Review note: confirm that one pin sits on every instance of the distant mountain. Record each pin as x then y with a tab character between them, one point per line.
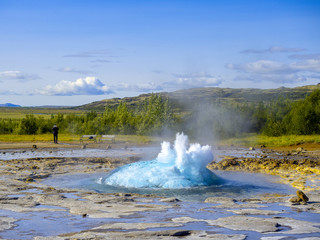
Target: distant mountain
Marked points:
9	105
182	100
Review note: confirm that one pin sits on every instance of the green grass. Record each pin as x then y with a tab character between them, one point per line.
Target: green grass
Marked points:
37	138
257	140
64	137
245	141
288	140
18	113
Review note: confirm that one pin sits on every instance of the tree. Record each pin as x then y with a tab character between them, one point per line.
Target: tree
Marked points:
304	118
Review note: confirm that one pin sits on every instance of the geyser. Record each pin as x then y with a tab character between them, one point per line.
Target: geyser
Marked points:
174	167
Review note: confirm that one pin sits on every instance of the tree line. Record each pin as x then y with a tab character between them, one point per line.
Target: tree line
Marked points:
155	116
152	117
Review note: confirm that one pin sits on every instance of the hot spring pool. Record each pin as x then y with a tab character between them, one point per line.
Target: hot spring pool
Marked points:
178	171
234	185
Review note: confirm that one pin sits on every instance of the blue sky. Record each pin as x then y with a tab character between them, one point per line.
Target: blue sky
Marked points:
73	52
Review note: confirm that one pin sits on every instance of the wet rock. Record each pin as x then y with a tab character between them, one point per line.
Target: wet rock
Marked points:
34	146
254	212
228	162
6	223
172	199
137	225
295	200
297	226
251	149
124	195
251	200
261	225
237	223
302	196
220	200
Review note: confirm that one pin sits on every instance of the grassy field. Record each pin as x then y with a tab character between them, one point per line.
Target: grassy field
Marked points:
37	138
258	140
68	138
18	113
245	141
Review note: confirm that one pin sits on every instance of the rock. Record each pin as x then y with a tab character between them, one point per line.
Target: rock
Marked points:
302	196
251	149
252	211
295	199
108	147
84	146
221	200
299	149
227	162
238	223
34	146
7	223
172	199
179	233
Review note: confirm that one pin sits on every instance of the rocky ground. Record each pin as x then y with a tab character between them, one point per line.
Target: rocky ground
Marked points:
30	209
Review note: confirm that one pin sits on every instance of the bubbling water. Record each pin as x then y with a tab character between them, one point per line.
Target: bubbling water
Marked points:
174	167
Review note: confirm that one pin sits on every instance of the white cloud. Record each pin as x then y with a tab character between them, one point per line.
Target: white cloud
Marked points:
91	53
261	67
272	67
143	87
17	75
9	92
101	61
275	78
72	70
82	86
306	68
195	79
274	49
305	56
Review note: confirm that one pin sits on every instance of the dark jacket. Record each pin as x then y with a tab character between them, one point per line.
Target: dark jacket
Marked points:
55	130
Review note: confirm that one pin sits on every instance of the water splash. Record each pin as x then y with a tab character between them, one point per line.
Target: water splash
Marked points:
174	167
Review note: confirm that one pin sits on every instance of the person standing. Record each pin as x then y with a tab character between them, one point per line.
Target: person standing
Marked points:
55	130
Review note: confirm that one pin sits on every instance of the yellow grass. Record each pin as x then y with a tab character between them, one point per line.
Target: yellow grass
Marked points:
247	140
63	137
37	138
257	140
18	113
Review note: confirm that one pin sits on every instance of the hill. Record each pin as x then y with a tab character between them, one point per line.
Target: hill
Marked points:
182	99
9	105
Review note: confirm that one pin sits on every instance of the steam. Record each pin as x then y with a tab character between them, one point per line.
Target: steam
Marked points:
174	167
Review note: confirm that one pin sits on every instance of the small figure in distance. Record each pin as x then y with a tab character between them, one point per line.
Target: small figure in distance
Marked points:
55	133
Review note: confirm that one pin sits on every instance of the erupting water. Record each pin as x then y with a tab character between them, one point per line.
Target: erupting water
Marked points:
176	167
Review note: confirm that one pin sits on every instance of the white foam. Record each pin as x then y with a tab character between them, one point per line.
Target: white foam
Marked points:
177	167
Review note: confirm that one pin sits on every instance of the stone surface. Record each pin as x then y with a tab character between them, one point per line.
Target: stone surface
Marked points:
254	212
238	223
134	216
220	200
167	234
172	199
261	225
7	223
